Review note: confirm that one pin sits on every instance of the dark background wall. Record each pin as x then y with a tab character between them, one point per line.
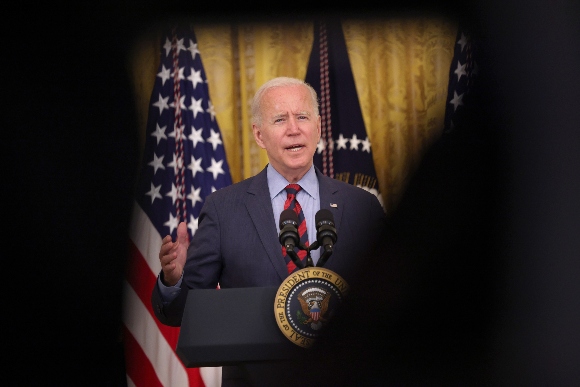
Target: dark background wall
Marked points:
477	293
68	174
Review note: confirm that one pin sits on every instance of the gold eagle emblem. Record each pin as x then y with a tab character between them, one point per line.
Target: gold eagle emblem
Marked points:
314	302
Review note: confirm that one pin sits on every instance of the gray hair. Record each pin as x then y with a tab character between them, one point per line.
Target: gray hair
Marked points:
278	82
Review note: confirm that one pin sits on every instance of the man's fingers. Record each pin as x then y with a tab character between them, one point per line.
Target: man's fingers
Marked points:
168	246
169	252
182	232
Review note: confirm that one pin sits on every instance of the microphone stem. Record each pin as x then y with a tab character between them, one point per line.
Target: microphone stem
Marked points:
295	258
324	257
309	262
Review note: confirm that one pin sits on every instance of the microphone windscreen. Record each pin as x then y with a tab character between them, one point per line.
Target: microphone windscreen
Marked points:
288	216
325	216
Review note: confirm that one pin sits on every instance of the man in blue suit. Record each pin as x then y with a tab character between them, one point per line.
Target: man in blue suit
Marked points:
237	242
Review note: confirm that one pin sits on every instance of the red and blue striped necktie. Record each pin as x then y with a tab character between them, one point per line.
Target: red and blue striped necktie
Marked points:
292	203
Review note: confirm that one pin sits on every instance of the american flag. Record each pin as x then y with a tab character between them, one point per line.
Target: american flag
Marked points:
183	161
344	151
462	75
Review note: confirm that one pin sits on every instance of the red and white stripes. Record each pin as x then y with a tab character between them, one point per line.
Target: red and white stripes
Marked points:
149	345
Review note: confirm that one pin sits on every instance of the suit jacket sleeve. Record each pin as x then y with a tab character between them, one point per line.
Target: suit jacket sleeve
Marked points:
236	245
202	268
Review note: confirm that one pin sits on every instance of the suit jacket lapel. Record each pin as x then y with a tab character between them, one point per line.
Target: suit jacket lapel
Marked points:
259	207
330	198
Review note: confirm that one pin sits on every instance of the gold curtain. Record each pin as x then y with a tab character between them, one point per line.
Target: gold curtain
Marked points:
400	66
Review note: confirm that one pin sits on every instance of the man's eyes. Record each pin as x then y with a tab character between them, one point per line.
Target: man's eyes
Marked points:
300	118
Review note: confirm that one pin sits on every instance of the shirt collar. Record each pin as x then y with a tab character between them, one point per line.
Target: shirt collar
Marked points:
277	182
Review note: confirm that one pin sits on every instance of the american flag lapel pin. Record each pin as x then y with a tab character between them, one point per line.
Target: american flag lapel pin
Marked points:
333	205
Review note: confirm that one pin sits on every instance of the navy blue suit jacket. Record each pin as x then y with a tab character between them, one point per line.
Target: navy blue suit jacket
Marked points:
237	244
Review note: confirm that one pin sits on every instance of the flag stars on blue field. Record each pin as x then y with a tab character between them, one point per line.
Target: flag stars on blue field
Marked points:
174	194
169	45
162	103
181	103
172	223
185	168
211	111
195	166
214	139
195	136
157	163
457	100
195	77
192	49
177	164
215	168
366	145
195	106
192	224
341	143
154	193
322	145
460	70
354	141
159	133
462	41
195	196
180	74
164	74
177	133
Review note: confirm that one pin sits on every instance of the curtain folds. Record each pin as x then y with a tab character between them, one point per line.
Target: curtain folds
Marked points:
401	71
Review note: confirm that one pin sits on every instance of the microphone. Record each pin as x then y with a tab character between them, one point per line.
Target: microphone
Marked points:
289	237
325	234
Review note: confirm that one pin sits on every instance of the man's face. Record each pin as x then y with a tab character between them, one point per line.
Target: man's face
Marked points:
289	131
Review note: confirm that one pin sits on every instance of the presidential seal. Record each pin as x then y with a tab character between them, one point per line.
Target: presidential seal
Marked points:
306	301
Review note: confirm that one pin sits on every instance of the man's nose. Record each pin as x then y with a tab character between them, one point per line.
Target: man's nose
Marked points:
293	125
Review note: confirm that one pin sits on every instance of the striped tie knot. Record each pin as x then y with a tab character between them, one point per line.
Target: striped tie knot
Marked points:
292	190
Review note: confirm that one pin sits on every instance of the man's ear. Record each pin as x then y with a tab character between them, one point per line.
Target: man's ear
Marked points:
258	136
